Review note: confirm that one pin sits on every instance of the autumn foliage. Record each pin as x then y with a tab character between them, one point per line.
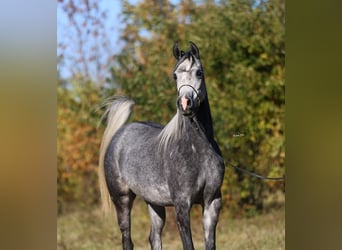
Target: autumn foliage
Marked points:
78	144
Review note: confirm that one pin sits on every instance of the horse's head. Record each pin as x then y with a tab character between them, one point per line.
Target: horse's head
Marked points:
189	76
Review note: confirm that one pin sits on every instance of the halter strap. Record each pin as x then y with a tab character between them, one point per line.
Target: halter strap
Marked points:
183	85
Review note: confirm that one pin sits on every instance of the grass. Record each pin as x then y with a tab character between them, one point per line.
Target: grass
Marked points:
89	230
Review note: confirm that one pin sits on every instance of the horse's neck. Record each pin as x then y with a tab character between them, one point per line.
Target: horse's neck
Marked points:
204	118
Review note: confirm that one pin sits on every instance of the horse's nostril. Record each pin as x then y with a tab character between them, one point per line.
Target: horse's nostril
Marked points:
186	104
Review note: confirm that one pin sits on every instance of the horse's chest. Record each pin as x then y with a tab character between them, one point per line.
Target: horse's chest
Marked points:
193	167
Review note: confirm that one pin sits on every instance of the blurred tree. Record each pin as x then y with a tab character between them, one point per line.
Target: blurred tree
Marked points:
84	46
83	52
78	143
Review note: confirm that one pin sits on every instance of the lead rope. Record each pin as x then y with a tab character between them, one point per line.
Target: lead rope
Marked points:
199	127
257	175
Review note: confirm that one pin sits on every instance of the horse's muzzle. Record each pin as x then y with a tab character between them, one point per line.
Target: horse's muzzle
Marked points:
187	105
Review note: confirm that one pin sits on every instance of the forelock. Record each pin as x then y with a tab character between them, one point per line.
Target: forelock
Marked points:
187	56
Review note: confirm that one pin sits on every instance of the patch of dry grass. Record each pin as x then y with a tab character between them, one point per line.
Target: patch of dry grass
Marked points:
88	230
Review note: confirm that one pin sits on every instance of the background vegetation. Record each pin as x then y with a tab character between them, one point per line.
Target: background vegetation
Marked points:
242	48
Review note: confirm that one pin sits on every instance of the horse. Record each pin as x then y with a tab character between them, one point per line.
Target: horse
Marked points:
179	164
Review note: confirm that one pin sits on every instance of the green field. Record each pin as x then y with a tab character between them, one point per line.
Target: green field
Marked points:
89	230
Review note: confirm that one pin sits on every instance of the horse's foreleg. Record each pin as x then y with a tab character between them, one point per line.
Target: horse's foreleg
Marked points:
123	205
210	218
183	223
157	215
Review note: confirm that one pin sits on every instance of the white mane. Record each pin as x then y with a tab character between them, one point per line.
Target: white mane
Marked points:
172	131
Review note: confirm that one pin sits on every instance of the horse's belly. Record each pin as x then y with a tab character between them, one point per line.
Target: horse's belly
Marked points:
147	183
152	193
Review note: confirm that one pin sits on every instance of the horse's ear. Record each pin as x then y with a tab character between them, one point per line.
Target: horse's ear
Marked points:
194	50
177	52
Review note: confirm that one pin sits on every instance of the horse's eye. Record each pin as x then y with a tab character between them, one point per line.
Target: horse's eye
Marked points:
174	76
199	73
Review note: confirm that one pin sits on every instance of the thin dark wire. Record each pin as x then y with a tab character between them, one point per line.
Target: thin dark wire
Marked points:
257	175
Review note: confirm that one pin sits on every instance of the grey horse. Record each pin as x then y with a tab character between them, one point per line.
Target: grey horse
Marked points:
177	165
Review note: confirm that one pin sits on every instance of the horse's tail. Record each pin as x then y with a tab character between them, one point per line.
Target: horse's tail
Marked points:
117	112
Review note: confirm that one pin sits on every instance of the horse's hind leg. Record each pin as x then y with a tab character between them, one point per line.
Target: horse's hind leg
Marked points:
123	205
157	215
